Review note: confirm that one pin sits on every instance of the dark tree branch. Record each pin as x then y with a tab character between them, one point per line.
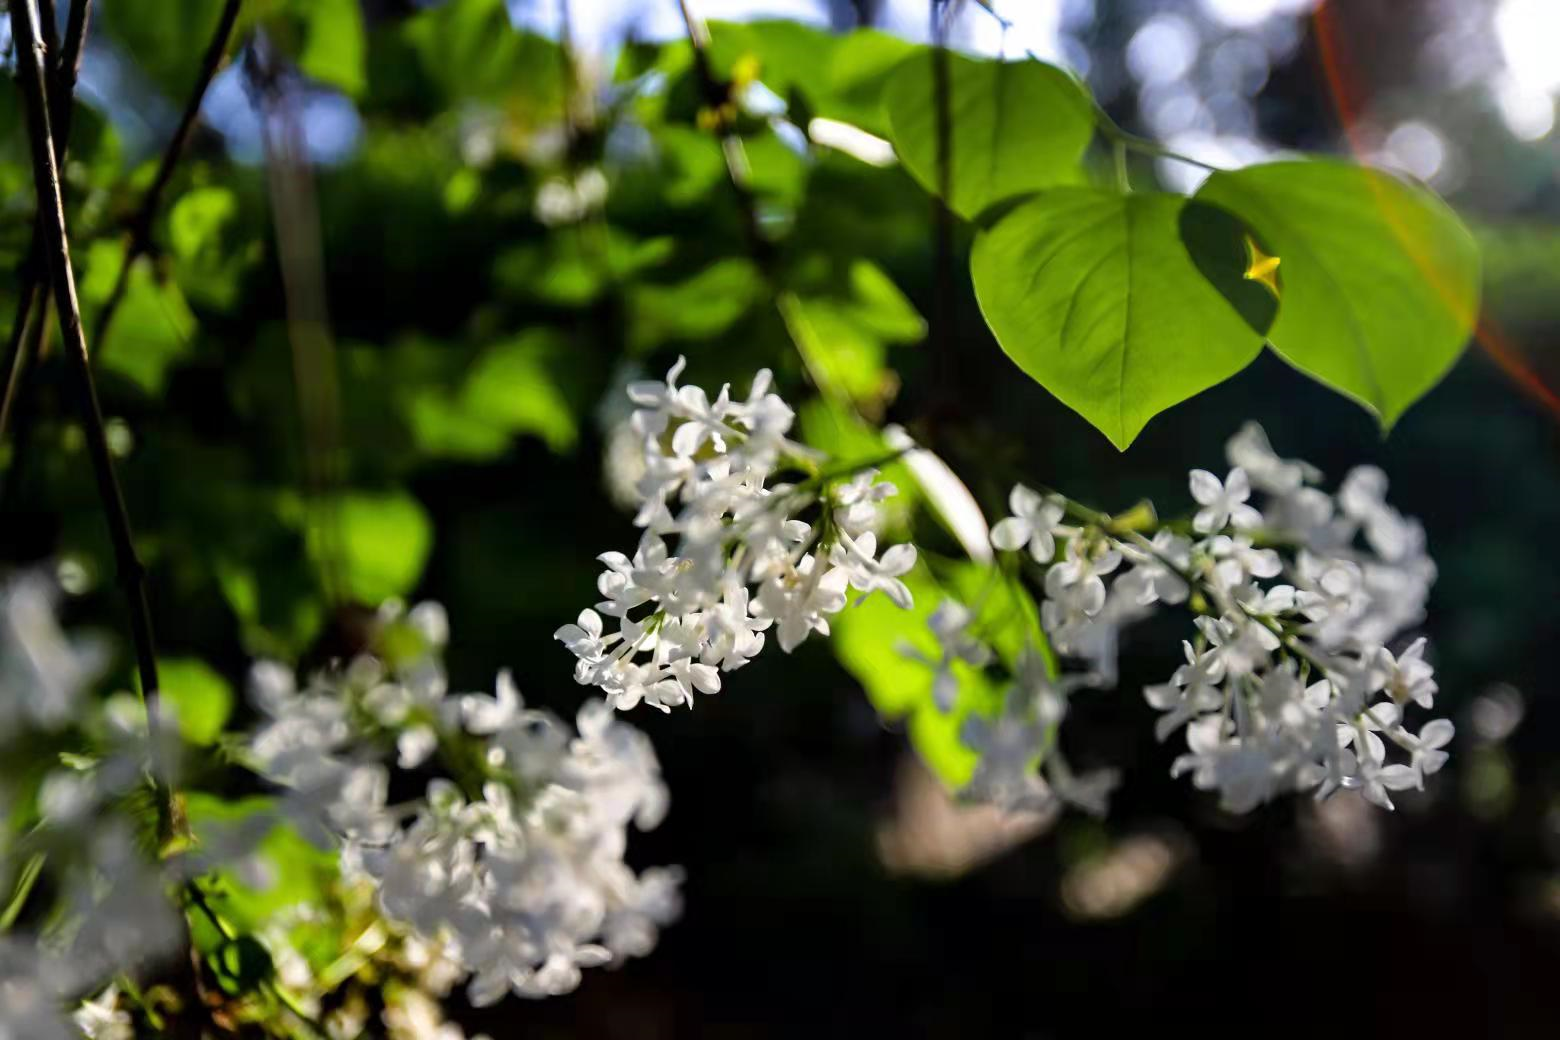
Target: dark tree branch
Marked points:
140	236
66	69
720	107
62	281
717	102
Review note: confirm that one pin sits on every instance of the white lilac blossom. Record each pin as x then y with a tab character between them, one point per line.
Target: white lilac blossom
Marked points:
43	671
726	560
512	862
1020	745
1034	524
950	624
109	912
1289	682
101	1018
31	993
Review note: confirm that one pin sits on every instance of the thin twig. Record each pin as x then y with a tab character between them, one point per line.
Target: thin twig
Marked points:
716	103
21	348
739	174
139	238
943	316
62	281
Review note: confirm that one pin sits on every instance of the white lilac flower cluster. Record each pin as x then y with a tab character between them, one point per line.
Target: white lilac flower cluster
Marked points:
1288	684
109	912
512	863
725	557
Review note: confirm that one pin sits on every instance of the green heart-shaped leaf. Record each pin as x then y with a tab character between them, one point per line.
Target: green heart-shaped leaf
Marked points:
1014	127
1379	279
1108	300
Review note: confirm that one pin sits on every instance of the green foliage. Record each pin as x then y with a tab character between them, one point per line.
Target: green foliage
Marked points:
1379	280
820	73
201	699
333	47
165	37
844	323
153	327
1094	295
514	388
241	965
286	872
211	244
1013	128
700	307
474	342
877	642
375	545
469	51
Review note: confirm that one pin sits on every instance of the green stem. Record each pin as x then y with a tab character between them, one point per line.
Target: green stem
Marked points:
26	881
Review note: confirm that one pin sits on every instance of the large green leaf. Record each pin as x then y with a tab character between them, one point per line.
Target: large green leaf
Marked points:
1015	127
1096	295
1379	280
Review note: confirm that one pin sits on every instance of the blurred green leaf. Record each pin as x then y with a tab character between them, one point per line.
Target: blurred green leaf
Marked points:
1379	280
153	326
573	270
514	387
471	51
333	44
700	307
376	544
165	39
1094	295
844	326
201	699
211	246
871	642
1016	127
284	872
839	76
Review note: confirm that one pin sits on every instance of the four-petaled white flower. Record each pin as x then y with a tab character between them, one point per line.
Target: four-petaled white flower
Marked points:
1033	524
950	624
1223	502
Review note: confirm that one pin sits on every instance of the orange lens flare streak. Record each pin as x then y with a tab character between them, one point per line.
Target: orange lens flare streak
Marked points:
1341	87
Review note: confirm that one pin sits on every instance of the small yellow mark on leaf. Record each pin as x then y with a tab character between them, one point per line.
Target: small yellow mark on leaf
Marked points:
1260	267
746	70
